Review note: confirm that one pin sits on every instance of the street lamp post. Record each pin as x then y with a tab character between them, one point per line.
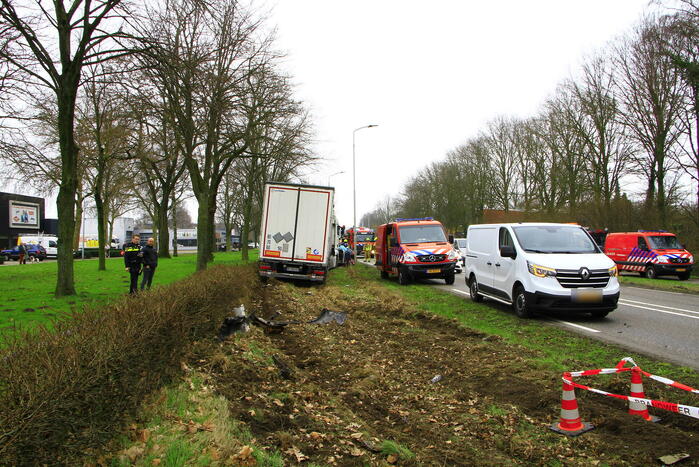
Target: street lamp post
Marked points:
354	186
332	175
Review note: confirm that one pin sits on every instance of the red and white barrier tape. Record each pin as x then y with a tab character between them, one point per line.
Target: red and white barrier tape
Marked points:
672	407
620	368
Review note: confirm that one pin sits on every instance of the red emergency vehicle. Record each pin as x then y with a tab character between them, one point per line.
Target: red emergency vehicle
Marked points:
651	253
411	248
365	239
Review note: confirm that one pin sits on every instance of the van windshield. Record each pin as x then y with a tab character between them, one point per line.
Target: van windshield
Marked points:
555	239
422	233
664	242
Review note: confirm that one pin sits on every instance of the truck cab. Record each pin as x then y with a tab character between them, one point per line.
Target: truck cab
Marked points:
364	238
414	248
650	253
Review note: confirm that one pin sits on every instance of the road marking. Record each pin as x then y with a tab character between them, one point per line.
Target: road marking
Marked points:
656	290
575	325
659	311
659	306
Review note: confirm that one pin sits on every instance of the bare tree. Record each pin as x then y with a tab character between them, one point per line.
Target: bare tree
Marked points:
500	143
51	47
651	92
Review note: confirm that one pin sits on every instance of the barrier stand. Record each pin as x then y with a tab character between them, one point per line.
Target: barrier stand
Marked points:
570	424
636	407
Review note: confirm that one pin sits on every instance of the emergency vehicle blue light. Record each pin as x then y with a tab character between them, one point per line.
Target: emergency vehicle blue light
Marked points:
661	231
415	219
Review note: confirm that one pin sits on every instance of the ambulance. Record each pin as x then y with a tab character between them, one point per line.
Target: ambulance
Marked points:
413	248
650	253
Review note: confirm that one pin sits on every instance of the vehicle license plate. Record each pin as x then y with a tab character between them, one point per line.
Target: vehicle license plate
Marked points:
587	295
680	269
292	269
431	271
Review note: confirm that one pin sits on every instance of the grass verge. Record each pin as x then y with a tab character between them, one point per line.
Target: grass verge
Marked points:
555	349
669	284
27	290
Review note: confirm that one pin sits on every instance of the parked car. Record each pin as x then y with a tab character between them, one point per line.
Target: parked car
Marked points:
540	266
650	253
460	246
33	251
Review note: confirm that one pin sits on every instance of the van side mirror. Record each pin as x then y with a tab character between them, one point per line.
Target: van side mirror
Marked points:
394	242
508	251
451	239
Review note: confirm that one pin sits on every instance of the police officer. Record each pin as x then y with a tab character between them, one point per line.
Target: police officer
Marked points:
150	262
132	260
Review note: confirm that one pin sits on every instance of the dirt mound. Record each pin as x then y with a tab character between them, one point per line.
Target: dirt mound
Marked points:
364	393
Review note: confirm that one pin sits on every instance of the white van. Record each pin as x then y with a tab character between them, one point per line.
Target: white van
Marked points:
49	242
540	266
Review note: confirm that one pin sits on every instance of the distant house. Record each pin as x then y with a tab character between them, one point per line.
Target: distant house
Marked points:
498	216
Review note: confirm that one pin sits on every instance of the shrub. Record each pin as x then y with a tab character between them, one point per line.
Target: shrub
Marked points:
65	390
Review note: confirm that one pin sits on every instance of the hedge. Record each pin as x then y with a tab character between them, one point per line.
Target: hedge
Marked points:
65	390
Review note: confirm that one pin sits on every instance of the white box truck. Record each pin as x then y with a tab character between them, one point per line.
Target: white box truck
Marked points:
298	232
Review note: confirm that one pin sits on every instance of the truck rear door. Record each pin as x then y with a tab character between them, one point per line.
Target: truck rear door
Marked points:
296	222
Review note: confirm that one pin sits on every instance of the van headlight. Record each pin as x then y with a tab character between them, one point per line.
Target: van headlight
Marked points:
409	256
613	271
540	271
452	255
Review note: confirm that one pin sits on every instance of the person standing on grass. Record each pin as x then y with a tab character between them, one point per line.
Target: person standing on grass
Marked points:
150	262
132	260
22	253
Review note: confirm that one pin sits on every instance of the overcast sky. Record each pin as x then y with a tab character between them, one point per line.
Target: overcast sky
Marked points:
430	74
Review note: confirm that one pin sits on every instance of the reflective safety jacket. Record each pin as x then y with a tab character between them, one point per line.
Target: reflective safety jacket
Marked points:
132	255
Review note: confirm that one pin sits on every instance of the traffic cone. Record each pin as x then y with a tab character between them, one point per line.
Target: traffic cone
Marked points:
639	408
570	424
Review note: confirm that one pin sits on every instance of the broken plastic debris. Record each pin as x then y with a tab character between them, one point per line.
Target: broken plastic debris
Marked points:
234	324
671	459
328	316
436	379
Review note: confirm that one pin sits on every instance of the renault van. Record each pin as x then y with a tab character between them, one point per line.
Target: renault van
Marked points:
543	266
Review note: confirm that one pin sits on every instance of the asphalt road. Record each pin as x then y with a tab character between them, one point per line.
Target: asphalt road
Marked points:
663	325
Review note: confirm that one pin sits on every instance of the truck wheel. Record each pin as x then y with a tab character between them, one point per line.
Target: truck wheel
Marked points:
449	279
683	276
473	290
403	277
384	275
522	308
651	273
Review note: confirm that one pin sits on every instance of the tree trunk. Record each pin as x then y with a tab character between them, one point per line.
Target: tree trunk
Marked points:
245	229
205	229
163	232
174	226
75	242
101	228
229	229
65	282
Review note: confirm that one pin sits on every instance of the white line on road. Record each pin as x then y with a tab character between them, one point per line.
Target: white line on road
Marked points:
575	325
659	306
461	291
659	311
655	290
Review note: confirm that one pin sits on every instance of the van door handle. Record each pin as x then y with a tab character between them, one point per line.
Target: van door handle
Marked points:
489	263
497	264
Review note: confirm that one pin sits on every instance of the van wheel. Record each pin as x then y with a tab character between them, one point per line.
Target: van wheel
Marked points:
449	279
651	273
384	275
403	277
522	308
683	276
473	290
599	314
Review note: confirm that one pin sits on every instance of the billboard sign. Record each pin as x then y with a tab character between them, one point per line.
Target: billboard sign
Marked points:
24	215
